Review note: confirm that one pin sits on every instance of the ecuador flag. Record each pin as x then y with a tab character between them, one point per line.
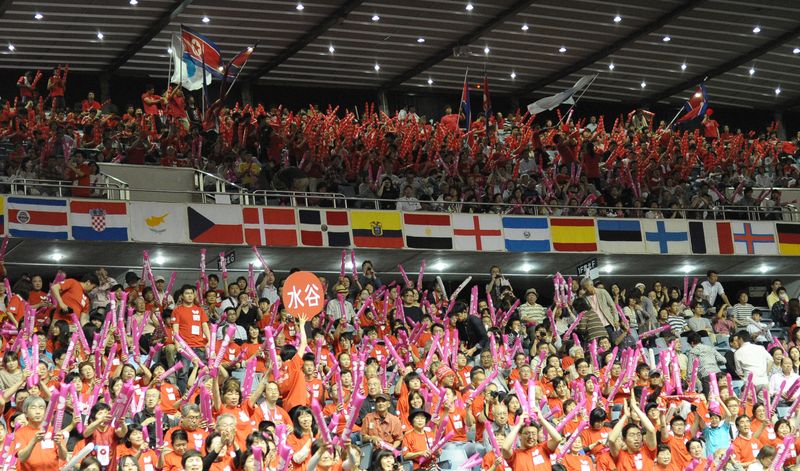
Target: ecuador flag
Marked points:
788	238
377	229
573	235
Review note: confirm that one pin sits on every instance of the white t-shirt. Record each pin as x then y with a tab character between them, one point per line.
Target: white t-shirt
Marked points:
712	291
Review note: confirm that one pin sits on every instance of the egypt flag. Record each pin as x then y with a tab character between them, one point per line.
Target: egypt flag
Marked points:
214	224
573	235
324	228
202	51
620	236
711	237
98	220
428	231
377	229
271	227
38	218
788	238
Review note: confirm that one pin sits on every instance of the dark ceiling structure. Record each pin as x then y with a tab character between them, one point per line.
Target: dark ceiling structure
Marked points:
652	51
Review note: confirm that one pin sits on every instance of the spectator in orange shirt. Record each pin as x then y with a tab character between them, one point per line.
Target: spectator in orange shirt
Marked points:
36	447
530	455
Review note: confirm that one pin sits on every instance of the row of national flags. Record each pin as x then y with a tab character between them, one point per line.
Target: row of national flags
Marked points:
78	219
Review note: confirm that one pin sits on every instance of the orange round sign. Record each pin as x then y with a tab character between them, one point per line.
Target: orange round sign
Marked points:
303	294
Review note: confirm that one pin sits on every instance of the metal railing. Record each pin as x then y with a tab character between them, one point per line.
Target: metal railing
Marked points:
215	189
110	188
788	212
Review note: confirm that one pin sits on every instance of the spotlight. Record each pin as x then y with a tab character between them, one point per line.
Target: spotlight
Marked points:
206	19
666	39
100	36
430	81
38	16
562	49
469	6
757	29
524	27
377	68
376	18
683	66
611	66
643	84
331	49
420	40
300	7
513	75
617	19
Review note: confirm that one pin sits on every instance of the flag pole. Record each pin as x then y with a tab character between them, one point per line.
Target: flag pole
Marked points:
578	99
676	117
462	91
238	73
169	70
181	62
203	52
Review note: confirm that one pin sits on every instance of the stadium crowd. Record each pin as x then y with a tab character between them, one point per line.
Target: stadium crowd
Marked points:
636	167
395	374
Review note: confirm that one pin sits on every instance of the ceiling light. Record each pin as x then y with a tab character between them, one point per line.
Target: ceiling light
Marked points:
169	50
752	70
486	50
683	66
206	19
796	50
38	16
525	27
687	268
300	7
256	263
644	84
617	19
377	68
11	47
611	66
763	268
439	266
562	49
666	39
430	81
757	29
469	6
100	36
420	40
778	91
513	75
159	259
331	49
134	2
56	257
527	267
698	95
375	17
607	268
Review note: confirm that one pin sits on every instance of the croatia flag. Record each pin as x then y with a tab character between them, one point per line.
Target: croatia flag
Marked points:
696	106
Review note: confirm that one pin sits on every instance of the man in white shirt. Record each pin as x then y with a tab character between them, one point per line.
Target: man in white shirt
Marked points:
233	297
759	331
266	286
408	202
786	378
713	288
751	358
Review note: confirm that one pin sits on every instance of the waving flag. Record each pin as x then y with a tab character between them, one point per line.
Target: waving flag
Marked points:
186	73
696	106
552	102
464	106
238	62
202	51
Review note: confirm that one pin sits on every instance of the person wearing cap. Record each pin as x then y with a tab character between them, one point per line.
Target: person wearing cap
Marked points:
531	312
380	425
370	403
334	308
167	301
133	287
418	441
717	432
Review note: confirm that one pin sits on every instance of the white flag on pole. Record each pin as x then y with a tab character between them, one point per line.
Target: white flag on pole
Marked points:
551	102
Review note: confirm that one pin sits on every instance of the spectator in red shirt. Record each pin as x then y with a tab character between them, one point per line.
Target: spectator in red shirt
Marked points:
151	102
450	120
90	103
25	87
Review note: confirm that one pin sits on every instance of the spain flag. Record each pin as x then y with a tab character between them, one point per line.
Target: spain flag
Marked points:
377	229
573	234
788	238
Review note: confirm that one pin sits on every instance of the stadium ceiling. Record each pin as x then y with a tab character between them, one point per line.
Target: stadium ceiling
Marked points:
644	51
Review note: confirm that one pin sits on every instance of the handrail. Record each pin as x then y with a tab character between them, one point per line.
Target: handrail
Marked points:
220	188
106	190
787	212
122	188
